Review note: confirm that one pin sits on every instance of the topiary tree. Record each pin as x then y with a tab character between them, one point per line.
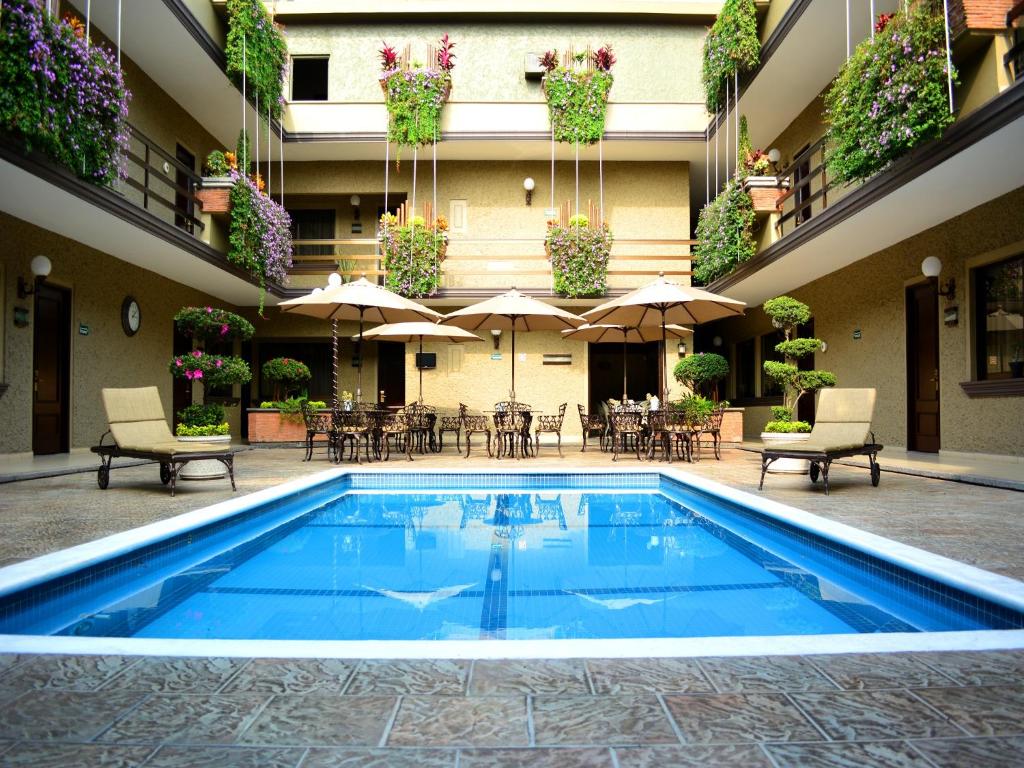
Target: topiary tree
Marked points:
786	314
286	373
702	372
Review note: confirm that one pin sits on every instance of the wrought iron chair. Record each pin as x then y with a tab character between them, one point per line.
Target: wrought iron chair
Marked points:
472	424
551	424
350	426
627	422
591	423
450	424
659	435
316	424
512	428
395	426
713	427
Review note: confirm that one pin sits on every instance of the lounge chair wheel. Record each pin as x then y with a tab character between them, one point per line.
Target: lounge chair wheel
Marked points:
103	477
815	471
876	474
165	473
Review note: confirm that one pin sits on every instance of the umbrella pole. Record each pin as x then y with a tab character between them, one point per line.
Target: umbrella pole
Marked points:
420	369
625	390
334	361
664	367
359	384
513	392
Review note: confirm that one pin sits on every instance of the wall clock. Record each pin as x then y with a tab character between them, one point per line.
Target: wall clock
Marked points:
131	316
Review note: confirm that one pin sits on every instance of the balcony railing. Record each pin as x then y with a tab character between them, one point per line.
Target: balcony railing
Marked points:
160	183
491	262
808	191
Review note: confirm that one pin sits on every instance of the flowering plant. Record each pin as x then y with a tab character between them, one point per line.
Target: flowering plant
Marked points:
750	161
62	95
579	257
210	370
260	239
219	163
724	234
413	254
256	49
578	97
732	46
210	323
285	370
889	97
414	95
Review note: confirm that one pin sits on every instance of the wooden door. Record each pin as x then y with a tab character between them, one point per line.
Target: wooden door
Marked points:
390	373
51	354
184	193
923	368
181	389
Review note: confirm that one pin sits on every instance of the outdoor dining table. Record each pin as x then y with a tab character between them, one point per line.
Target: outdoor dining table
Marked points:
522	419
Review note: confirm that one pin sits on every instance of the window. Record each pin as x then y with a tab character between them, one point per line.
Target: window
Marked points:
999	318
746	366
312	224
769	387
309	79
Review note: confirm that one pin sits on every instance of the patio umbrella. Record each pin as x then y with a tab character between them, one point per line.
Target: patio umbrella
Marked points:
661	302
359	300
513	311
406	332
613	333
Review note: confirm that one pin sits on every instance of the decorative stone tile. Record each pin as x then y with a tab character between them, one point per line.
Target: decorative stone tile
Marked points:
980	668
8	660
322	720
424	678
958	753
66	673
982	711
878	670
769	674
35	755
608	720
729	718
862	715
188	719
63	715
351	757
594	757
174	675
482	721
617	676
878	754
226	757
292	676
513	676
695	756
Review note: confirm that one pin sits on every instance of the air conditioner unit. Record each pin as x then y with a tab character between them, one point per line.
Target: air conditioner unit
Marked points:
532	67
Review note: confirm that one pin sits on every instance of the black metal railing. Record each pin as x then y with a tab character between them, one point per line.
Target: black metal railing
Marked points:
808	187
160	183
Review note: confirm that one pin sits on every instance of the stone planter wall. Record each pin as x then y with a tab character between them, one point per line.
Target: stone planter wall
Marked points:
266	425
732	426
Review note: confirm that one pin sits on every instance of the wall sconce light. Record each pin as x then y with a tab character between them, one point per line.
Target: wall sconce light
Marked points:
773	157
931	268
528	185
40	267
717	341
496	335
333	280
681	349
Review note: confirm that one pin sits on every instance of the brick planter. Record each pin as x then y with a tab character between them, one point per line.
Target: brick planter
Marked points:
732	426
268	425
765	192
214	195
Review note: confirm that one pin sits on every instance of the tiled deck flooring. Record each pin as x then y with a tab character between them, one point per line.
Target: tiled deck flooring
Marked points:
939	709
934	709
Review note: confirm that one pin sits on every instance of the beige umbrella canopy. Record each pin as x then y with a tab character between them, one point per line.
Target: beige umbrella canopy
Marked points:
407	332
513	311
359	300
662	302
612	333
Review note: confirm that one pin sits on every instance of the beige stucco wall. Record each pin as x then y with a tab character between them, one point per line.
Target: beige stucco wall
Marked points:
106	357
870	295
490	58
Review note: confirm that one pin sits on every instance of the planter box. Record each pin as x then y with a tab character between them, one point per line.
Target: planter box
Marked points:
214	195
787	466
205	469
268	425
732	426
765	191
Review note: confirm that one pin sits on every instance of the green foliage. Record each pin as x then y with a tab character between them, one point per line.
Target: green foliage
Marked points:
412	255
286	369
784	311
201	415
577	103
210	370
809	381
724	234
260	238
206	323
781	413
216	164
701	370
264	57
731	46
695	408
787	427
579	257
291	408
798	347
890	96
414	99
243	152
211	430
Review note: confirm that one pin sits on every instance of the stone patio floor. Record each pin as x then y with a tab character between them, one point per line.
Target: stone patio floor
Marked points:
929	709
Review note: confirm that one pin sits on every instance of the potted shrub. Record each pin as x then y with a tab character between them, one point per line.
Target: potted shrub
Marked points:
286	374
702	372
757	172
214	192
786	314
206	325
579	257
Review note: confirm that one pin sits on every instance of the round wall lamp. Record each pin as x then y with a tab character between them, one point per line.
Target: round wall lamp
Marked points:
528	185
496	335
931	268
41	267
717	341
333	280
354	200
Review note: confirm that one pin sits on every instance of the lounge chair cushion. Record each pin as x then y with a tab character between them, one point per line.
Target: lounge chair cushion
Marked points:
842	423
137	423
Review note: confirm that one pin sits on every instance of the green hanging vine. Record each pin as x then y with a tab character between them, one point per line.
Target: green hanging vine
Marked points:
724	234
732	46
265	54
415	95
577	94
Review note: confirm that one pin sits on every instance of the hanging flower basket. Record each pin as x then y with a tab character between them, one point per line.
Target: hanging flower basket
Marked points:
577	94
724	234
415	95
413	254
260	239
579	257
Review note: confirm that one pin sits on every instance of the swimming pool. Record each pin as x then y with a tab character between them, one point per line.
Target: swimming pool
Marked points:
357	556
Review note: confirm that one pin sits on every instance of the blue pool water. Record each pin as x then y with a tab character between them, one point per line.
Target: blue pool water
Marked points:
504	557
